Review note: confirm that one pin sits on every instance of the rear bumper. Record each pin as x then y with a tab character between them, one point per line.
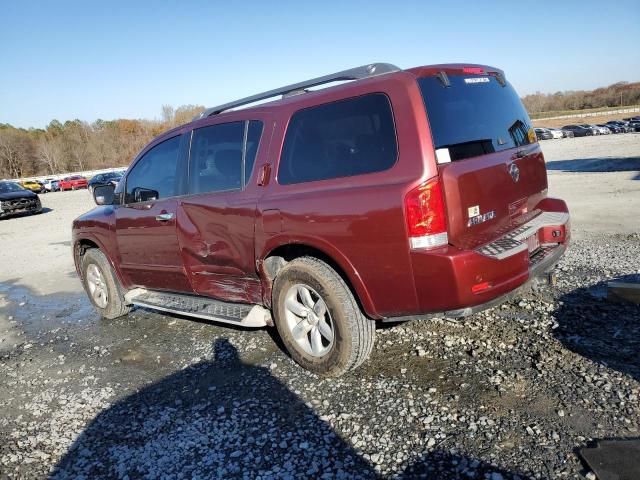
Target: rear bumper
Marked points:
540	270
456	283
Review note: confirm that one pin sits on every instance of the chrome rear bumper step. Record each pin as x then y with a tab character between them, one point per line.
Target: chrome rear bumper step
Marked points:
246	315
516	240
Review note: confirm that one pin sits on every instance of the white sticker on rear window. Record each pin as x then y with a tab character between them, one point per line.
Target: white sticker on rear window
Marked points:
477	80
442	155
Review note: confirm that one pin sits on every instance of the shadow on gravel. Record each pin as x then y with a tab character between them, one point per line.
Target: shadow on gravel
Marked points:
597	164
227	419
599	329
214	419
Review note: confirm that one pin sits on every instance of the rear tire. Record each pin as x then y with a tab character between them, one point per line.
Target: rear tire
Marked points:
323	300
102	286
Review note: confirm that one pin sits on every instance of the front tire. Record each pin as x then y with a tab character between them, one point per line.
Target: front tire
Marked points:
102	286
319	319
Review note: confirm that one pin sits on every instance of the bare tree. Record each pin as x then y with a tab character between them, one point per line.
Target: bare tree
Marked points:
49	154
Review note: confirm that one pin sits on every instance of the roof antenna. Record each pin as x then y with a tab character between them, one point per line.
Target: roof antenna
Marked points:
444	79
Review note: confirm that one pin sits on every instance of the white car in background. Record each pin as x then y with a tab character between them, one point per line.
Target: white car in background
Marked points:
49	184
556	132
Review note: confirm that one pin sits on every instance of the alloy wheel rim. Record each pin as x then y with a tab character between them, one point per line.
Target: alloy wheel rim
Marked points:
97	286
309	320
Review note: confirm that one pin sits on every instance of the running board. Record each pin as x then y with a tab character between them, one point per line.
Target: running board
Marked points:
245	315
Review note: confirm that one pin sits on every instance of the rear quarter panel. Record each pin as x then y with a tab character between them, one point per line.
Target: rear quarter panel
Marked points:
357	221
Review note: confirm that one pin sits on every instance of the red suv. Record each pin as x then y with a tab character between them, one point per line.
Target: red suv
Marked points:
395	195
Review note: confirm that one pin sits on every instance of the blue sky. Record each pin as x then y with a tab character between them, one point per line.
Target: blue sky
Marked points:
116	59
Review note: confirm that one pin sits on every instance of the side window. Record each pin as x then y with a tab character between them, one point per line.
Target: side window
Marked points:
254	132
154	175
339	139
217	153
216	158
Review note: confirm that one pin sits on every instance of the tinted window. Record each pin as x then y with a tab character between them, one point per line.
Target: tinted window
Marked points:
254	133
216	158
340	139
475	115
217	153
154	172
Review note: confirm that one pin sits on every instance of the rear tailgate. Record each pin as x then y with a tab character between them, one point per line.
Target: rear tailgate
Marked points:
491	167
483	198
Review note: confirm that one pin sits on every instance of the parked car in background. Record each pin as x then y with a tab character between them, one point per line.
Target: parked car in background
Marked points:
543	134
105	179
46	184
72	183
594	129
556	132
567	133
16	199
369	202
32	185
634	126
611	128
621	124
579	130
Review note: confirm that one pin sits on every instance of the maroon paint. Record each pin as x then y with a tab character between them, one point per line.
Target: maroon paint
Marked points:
221	239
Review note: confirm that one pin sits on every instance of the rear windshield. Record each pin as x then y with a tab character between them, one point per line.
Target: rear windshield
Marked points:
475	115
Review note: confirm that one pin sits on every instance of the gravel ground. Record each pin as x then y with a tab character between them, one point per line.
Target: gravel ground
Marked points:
509	393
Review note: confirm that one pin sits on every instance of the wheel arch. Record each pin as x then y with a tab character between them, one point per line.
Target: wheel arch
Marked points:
278	256
80	247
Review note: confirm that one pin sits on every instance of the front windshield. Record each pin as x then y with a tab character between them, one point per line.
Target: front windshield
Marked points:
6	187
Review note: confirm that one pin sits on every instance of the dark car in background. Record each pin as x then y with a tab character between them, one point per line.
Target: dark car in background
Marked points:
543	134
579	130
108	178
15	199
621	124
611	128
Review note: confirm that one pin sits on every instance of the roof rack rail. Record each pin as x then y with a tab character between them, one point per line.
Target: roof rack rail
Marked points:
358	73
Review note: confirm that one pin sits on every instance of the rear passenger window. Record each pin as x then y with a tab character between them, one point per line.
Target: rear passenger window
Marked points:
216	158
340	139
217	154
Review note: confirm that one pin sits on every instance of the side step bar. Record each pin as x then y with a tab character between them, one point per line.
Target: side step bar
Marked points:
242	314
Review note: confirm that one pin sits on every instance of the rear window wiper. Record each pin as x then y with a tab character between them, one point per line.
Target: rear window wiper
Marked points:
444	79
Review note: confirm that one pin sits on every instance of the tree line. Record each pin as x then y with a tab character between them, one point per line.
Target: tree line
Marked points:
76	145
616	95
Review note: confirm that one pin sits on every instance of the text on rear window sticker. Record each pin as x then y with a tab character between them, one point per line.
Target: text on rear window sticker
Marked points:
477	80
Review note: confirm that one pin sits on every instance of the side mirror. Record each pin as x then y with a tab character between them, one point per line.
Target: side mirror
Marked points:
104	194
144	194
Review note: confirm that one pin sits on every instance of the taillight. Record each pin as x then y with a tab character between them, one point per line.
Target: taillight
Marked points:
426	218
473	70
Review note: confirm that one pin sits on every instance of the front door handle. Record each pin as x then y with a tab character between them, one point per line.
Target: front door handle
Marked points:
164	217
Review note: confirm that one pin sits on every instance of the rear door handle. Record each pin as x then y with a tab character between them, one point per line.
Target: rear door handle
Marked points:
164	217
